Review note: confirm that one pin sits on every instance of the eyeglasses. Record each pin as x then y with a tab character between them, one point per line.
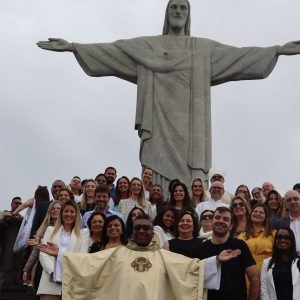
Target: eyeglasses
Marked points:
238	204
144	227
283	237
206	217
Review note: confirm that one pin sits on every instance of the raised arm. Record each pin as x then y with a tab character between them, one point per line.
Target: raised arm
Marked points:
290	48
55	44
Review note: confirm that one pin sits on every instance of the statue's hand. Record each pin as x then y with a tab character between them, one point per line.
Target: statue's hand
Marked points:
54	44
291	48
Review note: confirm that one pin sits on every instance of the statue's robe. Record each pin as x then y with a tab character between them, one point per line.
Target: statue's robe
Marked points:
174	76
121	273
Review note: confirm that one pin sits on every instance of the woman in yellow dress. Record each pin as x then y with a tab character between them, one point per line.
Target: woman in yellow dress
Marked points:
259	235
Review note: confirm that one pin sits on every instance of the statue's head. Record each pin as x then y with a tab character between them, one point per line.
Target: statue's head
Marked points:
178	16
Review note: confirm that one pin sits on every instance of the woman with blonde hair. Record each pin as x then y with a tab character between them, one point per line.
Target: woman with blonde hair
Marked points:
87	202
32	270
66	235
240	211
198	191
136	199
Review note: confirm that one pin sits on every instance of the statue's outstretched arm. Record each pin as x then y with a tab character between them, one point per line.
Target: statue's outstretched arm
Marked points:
291	48
54	44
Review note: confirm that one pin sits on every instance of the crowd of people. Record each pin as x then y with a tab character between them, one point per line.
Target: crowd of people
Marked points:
88	216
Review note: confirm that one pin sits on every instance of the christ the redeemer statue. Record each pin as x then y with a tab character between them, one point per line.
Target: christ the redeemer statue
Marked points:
174	73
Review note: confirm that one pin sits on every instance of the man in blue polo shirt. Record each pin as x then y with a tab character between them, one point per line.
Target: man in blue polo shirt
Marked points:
101	201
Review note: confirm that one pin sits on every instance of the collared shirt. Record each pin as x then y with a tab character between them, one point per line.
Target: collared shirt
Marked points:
64	244
108	213
295	226
209	204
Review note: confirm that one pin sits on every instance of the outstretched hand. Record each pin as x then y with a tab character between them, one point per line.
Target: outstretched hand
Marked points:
55	44
227	255
49	248
291	48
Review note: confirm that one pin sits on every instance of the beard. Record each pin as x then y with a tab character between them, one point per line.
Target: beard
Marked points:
110	180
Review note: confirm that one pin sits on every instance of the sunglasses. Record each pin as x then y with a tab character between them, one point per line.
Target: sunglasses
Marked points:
239	204
283	237
144	227
217	177
206	217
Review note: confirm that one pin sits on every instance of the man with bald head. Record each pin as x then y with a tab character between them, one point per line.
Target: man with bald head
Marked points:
216	191
292	204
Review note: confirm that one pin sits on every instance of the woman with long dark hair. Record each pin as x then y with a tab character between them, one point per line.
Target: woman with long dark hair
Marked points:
280	276
276	206
180	198
122	191
164	225
136	211
259	235
113	232
95	224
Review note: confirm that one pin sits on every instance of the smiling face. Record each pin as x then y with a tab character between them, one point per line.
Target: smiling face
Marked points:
101	200
221	223
156	193
217	190
63	196
168	219
273	202
142	232
147	175
114	229
186	225
123	185
179	193
292	202
197	188
283	240
206	219
136	187
238	207
69	215
54	212
90	188
258	216
97	224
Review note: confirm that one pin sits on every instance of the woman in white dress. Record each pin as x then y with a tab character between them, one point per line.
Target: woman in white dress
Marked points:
137	199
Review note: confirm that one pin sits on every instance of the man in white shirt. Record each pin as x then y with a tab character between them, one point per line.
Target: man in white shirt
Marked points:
216	192
218	175
292	203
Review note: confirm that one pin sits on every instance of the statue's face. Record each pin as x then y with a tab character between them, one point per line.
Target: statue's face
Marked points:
178	13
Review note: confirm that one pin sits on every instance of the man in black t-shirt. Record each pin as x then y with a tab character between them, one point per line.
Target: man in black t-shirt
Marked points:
233	283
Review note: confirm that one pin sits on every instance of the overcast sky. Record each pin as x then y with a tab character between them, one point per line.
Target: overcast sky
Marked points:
56	122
